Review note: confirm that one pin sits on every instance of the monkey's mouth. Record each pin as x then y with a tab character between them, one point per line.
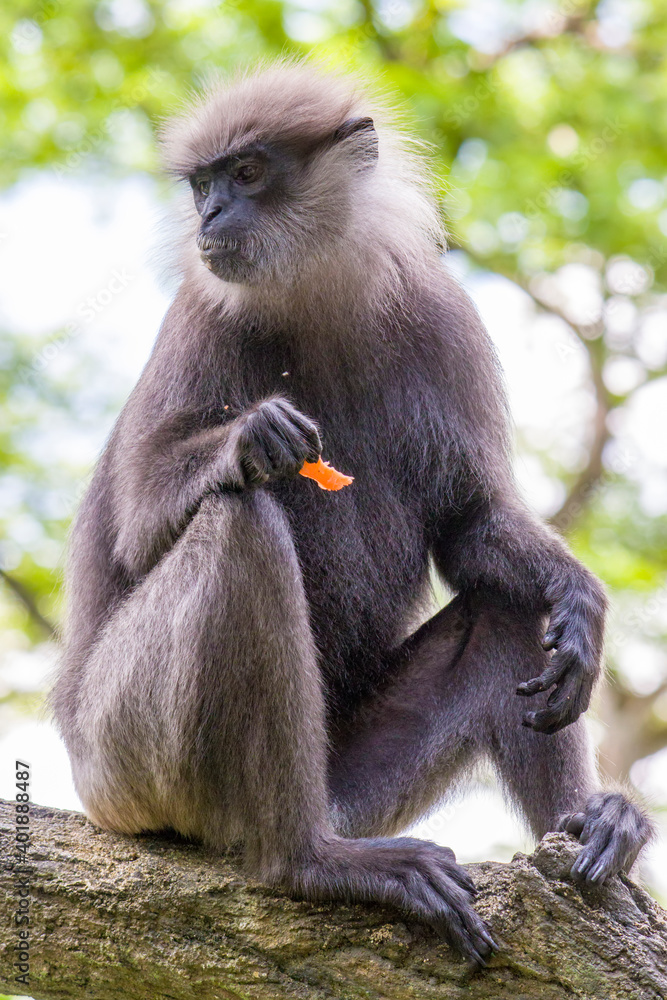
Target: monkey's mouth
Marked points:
210	246
228	257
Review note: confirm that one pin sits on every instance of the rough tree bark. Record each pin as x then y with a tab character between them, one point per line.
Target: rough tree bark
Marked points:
144	918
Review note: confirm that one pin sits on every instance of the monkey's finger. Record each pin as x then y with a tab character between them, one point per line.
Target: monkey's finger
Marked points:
547	679
486	937
279	452
459	923
440	881
551	638
550	720
572	696
305	426
477	929
296	453
480	935
447	911
567	688
446	862
314	444
600	873
587	860
542	722
620	853
583	863
610	861
253	474
311	436
471	928
295	440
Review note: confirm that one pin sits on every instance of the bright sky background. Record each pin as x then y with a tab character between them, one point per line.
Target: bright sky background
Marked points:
99	240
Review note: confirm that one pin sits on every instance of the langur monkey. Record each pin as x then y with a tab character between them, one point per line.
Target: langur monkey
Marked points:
242	662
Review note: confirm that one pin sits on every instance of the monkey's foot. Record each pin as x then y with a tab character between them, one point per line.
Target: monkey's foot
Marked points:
614	831
438	891
418	877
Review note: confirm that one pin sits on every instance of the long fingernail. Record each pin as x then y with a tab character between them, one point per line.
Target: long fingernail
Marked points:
580	865
595	874
489	940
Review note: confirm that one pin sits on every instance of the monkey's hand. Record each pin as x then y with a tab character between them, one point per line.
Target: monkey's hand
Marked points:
574	639
272	441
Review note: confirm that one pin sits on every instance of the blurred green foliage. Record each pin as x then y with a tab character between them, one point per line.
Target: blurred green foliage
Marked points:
562	125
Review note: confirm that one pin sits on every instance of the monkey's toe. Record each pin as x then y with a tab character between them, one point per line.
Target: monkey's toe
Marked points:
460	925
466	932
470	936
572	823
613	831
461	877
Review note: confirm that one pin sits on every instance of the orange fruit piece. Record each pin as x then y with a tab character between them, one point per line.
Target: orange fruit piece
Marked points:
326	477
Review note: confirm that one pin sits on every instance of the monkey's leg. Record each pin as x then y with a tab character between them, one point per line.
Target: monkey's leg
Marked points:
200	705
202	710
553	778
451	700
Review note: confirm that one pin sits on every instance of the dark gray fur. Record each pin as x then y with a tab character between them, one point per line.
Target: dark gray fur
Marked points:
240	659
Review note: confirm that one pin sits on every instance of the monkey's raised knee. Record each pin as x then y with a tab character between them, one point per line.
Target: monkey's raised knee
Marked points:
249	533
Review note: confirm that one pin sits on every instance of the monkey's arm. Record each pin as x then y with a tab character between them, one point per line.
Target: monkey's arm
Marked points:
485	538
161	476
498	546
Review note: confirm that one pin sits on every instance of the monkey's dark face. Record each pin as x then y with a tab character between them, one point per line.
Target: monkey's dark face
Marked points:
266	208
237	197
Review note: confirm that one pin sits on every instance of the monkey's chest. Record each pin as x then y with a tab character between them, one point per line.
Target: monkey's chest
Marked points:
363	549
364	560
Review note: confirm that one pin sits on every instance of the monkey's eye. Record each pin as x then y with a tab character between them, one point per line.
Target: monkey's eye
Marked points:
204	186
246	173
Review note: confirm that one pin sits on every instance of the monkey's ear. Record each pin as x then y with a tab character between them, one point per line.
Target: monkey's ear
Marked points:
361	135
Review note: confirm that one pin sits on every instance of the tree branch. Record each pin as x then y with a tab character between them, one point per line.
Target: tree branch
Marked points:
588	480
633	729
149	917
28	602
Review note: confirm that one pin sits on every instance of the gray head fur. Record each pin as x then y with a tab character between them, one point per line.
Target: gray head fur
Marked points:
350	230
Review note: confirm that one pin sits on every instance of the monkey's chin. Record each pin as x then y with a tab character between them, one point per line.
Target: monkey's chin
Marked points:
231	265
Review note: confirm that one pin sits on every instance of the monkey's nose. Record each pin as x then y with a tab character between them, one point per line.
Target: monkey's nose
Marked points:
210	216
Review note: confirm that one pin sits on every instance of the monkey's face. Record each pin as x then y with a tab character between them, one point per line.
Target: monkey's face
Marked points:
239	199
267	208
